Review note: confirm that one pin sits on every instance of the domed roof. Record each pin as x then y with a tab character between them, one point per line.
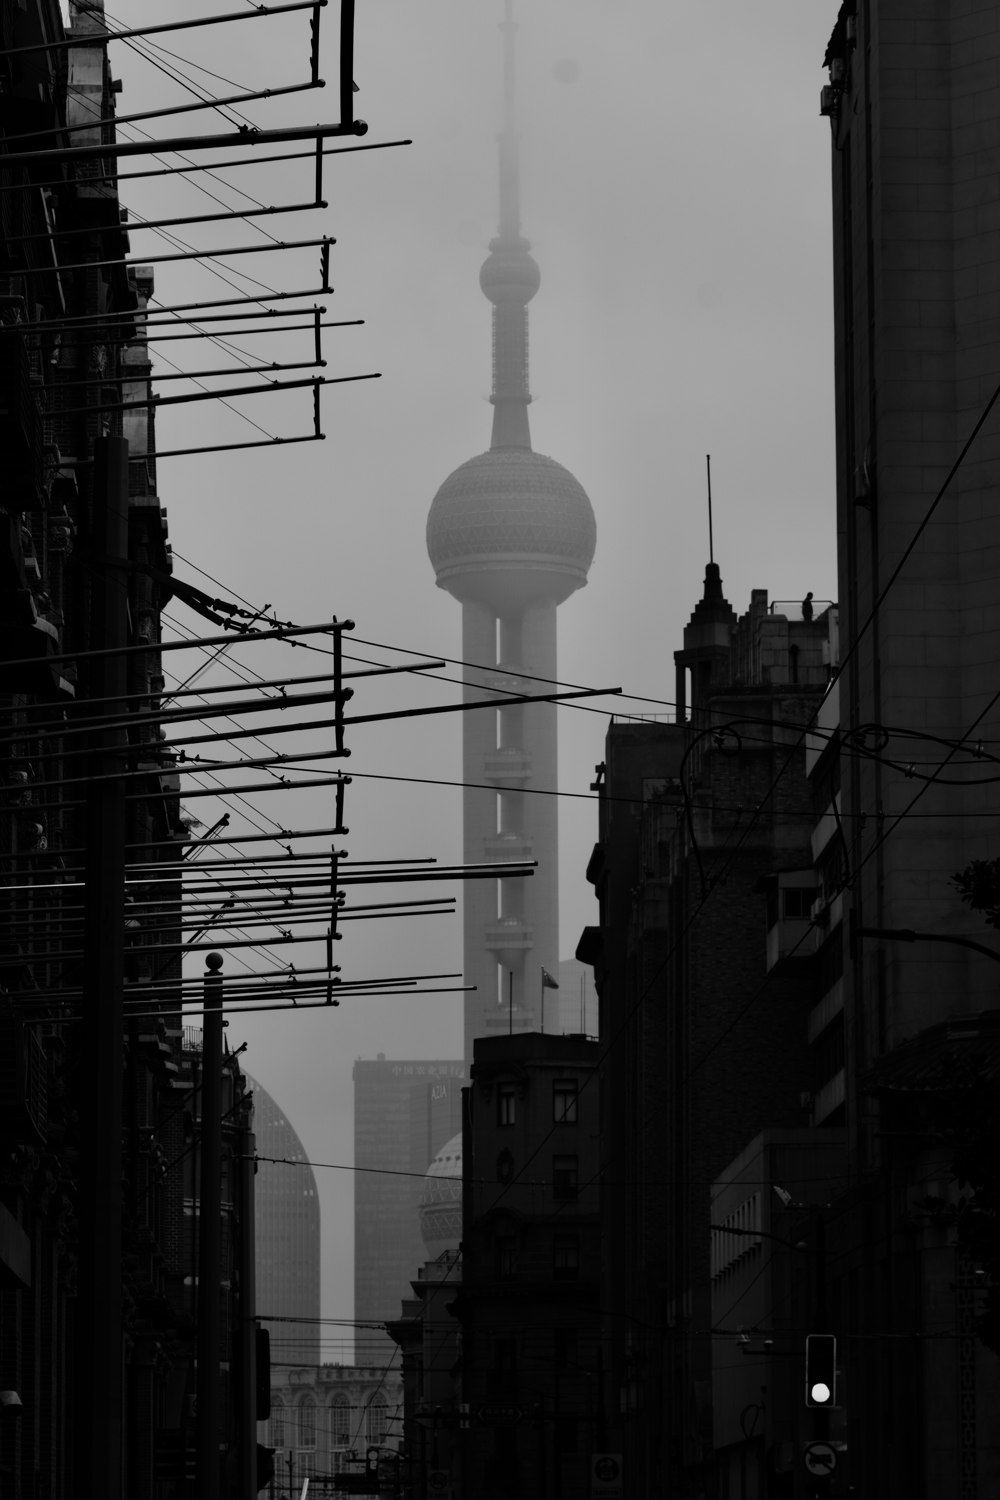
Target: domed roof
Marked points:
510	511
441	1200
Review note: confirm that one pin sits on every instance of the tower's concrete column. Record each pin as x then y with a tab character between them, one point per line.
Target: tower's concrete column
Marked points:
541	811
479	819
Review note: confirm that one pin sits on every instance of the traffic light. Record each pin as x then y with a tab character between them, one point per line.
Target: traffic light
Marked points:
262	1367
821	1370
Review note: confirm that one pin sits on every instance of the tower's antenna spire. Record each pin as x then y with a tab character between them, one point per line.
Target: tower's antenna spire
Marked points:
510	205
708	472
509	276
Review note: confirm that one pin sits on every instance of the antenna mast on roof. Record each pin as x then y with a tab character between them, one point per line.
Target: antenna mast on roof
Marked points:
708	472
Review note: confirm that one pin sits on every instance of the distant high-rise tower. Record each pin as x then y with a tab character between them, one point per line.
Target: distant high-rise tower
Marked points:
404	1112
511	535
286	1237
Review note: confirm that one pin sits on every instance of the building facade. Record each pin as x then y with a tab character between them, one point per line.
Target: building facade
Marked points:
100	1136
429	1338
531	1254
329	1420
910	99
704	1033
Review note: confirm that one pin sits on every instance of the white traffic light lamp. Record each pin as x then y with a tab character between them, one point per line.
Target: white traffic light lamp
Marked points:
821	1370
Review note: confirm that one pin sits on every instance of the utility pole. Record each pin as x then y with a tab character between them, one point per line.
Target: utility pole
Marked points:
209	1235
247	1310
99	1450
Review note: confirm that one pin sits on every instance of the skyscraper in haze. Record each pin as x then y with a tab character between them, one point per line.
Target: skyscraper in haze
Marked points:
511	535
404	1112
286	1237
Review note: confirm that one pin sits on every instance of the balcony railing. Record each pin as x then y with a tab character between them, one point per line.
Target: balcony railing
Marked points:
507	765
509	935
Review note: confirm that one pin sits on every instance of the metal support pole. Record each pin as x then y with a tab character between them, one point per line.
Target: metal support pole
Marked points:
209	1237
247	1311
99	1455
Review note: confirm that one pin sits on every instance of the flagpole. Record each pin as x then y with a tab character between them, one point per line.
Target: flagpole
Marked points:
510	1002
543	1001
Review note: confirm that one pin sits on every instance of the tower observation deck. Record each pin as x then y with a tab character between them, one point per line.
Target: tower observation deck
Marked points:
511	535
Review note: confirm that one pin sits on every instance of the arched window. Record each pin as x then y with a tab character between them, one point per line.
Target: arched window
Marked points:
376	1420
277	1436
307	1422
340	1421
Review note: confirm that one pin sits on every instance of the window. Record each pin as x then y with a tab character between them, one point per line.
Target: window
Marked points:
340	1422
307	1422
277	1421
506	1246
798	901
506	1104
377	1423
565	1257
564	1097
565	1177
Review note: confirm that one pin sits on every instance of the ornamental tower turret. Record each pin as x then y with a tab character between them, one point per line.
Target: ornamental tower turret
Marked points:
511	535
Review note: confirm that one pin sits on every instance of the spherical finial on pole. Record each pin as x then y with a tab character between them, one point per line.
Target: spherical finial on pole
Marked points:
214	962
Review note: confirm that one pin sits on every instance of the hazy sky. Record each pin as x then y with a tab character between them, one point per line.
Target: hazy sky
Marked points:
675	189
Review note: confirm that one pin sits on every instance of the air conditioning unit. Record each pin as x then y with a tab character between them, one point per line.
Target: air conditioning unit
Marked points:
828	97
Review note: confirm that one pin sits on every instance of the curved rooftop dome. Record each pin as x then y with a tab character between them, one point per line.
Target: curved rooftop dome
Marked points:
511	526
441	1200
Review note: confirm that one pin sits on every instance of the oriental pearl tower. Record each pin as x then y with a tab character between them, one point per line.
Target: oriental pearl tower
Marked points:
511	535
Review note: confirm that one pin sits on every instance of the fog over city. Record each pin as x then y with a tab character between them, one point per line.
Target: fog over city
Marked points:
675	191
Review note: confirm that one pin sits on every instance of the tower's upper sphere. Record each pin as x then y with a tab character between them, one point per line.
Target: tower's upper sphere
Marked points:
511	528
509	273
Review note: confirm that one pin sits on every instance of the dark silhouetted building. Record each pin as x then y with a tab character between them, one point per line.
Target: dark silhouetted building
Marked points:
910	96
99	1129
531	1257
705	1036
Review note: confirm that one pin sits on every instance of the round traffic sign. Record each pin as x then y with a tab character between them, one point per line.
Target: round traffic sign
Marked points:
820	1458
437	1480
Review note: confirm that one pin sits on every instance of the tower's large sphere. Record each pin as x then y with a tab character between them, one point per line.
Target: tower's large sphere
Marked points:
509	273
511	528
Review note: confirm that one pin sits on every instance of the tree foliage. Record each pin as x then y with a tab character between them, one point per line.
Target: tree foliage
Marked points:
979	887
